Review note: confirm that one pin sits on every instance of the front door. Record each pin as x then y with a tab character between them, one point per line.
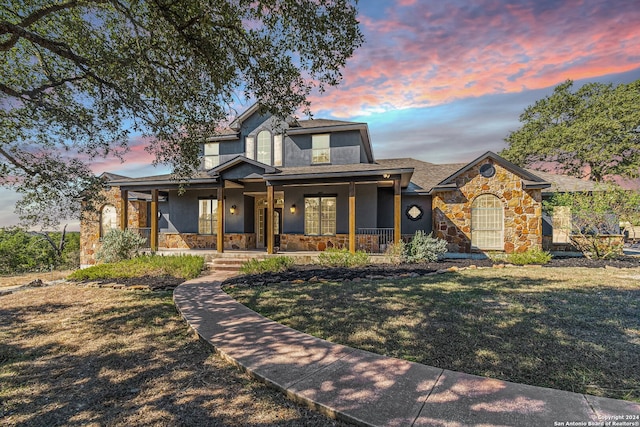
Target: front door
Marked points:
277	226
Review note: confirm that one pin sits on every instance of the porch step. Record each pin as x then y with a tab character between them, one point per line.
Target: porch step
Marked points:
229	264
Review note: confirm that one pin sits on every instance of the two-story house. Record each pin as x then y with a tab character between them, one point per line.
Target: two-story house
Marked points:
308	185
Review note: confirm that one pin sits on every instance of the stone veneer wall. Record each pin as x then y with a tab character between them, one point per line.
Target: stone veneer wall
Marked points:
206	241
301	242
90	224
522	210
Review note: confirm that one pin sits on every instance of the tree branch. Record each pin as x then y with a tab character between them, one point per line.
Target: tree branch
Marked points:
38	15
16	163
59	48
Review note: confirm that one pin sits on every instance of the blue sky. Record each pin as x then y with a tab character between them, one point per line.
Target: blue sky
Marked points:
446	81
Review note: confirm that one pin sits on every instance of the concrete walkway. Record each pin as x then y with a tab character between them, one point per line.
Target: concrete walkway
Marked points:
372	390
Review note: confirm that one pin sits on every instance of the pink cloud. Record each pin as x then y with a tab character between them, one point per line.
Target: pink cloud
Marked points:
426	54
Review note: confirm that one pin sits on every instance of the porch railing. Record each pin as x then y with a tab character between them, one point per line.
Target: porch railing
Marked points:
146	234
373	240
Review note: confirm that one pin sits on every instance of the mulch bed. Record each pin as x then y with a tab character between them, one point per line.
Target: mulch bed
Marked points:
380	271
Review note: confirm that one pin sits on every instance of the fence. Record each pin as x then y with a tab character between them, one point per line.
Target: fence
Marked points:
373	240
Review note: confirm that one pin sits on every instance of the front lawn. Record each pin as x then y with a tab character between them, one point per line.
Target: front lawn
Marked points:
574	329
80	356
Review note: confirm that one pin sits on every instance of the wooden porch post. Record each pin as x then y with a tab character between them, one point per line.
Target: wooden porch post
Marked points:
124	209
352	217
397	218
220	213
270	201
154	220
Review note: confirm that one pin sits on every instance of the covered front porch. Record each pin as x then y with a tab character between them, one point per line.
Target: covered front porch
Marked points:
246	205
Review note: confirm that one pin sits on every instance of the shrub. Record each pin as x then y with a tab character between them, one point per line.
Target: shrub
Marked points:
269	265
181	266
531	256
395	252
333	257
424	248
118	245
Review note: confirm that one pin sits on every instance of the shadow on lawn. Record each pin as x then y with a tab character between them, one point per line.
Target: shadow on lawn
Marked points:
516	329
143	367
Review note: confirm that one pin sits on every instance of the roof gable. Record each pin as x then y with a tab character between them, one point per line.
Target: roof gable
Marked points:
522	173
241	167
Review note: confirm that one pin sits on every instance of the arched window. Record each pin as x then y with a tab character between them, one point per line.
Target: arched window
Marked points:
108	219
487	222
264	147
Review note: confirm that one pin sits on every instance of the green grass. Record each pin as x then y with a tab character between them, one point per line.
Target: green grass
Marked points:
571	329
269	265
183	266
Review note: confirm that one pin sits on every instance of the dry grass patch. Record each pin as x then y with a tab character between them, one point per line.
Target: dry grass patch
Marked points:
71	355
23	279
574	329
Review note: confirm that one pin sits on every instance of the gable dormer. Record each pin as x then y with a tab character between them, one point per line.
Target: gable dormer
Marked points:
271	141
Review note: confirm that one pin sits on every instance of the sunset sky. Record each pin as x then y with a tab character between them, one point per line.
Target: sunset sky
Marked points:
446	81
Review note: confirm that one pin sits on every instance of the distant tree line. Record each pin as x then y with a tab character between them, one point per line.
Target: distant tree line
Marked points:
24	251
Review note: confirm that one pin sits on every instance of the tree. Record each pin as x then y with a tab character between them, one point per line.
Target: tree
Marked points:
80	77
593	131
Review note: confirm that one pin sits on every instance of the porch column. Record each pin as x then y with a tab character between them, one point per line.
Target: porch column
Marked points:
352	217
220	213
154	220
397	218
270	201
124	209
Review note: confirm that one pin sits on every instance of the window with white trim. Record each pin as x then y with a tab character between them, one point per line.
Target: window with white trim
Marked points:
320	149
277	150
264	147
108	219
320	216
211	157
250	147
208	216
487	222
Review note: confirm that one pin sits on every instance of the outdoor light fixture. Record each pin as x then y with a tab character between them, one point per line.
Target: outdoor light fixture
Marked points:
386	176
232	209
292	209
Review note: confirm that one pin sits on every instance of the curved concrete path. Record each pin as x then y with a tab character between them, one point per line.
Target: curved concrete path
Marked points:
373	390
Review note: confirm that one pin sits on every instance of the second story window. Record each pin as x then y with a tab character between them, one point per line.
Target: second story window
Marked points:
320	149
211	157
264	147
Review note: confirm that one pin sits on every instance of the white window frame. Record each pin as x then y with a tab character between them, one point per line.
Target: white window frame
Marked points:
211	157
321	148
108	219
250	147
264	140
321	220
277	149
487	222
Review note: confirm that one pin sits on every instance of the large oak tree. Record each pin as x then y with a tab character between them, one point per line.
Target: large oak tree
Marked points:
79	77
593	131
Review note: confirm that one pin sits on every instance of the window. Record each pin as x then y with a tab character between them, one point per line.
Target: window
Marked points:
208	216
264	147
487	222
320	216
211	157
321	153
250	147
277	150
108	219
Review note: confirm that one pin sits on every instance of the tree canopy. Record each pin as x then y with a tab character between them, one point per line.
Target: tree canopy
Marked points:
80	77
593	131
